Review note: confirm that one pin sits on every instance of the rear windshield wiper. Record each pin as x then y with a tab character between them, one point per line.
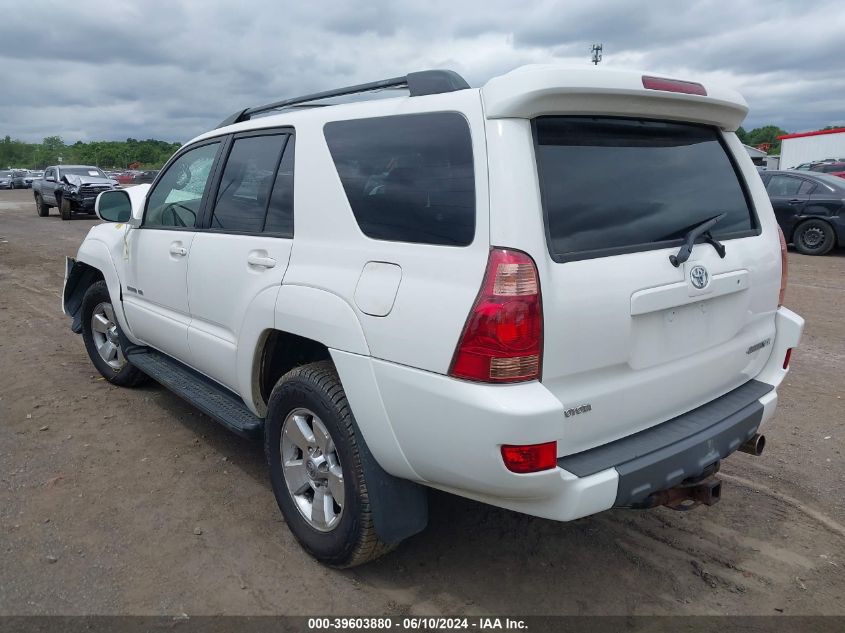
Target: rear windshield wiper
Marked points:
699	230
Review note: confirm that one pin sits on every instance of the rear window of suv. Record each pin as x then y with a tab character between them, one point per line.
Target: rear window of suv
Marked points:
611	186
408	178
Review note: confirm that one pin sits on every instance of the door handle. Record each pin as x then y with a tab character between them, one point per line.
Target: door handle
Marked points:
795	201
177	249
263	262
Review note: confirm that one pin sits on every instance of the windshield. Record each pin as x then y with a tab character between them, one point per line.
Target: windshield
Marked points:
83	171
612	186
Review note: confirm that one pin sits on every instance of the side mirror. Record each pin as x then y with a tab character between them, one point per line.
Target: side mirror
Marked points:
114	206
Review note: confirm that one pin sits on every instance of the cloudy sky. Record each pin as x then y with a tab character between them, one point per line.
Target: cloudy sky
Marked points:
171	69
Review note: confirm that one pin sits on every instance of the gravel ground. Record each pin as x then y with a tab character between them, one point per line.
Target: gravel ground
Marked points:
121	501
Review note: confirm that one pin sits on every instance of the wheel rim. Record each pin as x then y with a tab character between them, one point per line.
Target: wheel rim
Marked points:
104	333
812	237
312	470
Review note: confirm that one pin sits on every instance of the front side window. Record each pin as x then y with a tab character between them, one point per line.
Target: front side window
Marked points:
612	185
408	178
176	199
244	190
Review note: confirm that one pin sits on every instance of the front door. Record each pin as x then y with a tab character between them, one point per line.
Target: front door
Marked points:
155	295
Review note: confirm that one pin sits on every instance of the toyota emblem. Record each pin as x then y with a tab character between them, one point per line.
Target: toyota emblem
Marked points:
699	277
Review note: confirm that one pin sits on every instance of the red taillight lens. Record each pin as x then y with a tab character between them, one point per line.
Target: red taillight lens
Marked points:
673	85
530	458
784	267
502	338
787	358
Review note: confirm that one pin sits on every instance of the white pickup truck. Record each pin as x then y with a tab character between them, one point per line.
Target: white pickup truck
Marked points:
558	293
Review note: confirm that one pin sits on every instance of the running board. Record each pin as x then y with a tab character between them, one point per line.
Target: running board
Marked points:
206	395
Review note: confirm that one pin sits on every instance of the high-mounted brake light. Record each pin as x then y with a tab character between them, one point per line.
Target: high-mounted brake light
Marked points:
530	458
674	85
502	337
784	267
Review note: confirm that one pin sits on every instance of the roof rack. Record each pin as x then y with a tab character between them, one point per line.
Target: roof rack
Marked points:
424	82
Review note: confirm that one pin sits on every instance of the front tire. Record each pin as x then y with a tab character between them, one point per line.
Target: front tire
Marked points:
316	469
101	335
65	209
814	237
42	209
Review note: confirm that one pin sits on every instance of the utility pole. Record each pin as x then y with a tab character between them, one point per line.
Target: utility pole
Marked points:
596	51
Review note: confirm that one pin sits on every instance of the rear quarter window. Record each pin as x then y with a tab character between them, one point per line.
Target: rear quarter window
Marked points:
612	186
408	178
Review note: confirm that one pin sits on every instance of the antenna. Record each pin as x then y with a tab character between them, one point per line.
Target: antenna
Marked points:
596	51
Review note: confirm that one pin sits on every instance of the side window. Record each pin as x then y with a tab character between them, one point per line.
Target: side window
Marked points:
244	190
783	186
280	212
806	187
49	174
175	201
408	178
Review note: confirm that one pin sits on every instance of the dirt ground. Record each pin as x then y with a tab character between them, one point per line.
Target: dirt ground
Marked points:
103	489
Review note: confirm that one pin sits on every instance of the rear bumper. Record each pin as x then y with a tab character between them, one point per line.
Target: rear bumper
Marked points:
684	447
451	434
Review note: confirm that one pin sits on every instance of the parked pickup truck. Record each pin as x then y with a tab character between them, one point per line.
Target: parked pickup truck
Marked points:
70	188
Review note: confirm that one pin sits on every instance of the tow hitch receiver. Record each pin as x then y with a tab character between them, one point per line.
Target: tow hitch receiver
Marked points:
686	497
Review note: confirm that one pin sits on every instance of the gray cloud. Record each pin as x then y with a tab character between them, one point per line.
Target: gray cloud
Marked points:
172	69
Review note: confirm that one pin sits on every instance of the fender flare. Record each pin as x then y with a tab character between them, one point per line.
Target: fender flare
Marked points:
96	253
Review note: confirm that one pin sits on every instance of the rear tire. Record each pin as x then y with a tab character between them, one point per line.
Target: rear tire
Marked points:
100	332
814	237
65	209
317	475
42	209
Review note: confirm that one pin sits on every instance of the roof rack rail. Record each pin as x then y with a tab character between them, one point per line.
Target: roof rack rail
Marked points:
424	82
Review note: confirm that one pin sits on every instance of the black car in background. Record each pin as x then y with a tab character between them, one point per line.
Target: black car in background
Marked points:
810	208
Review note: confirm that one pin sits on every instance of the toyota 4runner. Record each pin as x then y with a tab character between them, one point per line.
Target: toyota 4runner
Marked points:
559	293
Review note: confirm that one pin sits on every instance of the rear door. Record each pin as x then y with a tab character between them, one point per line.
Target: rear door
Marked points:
239	259
626	332
788	195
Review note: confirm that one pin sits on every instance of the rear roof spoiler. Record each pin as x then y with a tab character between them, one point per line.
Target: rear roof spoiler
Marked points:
424	82
533	91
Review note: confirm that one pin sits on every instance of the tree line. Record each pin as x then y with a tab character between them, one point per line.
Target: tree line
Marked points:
150	154
767	134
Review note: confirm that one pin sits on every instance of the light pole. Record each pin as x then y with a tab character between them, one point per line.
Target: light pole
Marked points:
596	51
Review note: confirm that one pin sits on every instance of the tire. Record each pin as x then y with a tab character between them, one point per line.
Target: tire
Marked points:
42	209
814	237
347	537
120	372
65	209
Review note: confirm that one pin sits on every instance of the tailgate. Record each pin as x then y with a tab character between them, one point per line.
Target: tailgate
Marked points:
630	340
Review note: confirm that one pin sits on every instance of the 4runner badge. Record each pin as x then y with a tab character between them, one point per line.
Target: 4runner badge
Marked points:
584	408
699	276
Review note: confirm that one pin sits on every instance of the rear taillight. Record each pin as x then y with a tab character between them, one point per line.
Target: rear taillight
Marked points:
784	267
502	338
674	85
530	458
787	358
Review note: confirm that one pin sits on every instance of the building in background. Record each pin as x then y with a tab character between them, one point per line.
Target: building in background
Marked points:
806	147
758	156
772	161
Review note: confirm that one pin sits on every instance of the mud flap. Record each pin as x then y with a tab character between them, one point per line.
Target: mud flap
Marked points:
399	506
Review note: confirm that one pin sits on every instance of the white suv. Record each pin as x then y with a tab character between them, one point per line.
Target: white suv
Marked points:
559	293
